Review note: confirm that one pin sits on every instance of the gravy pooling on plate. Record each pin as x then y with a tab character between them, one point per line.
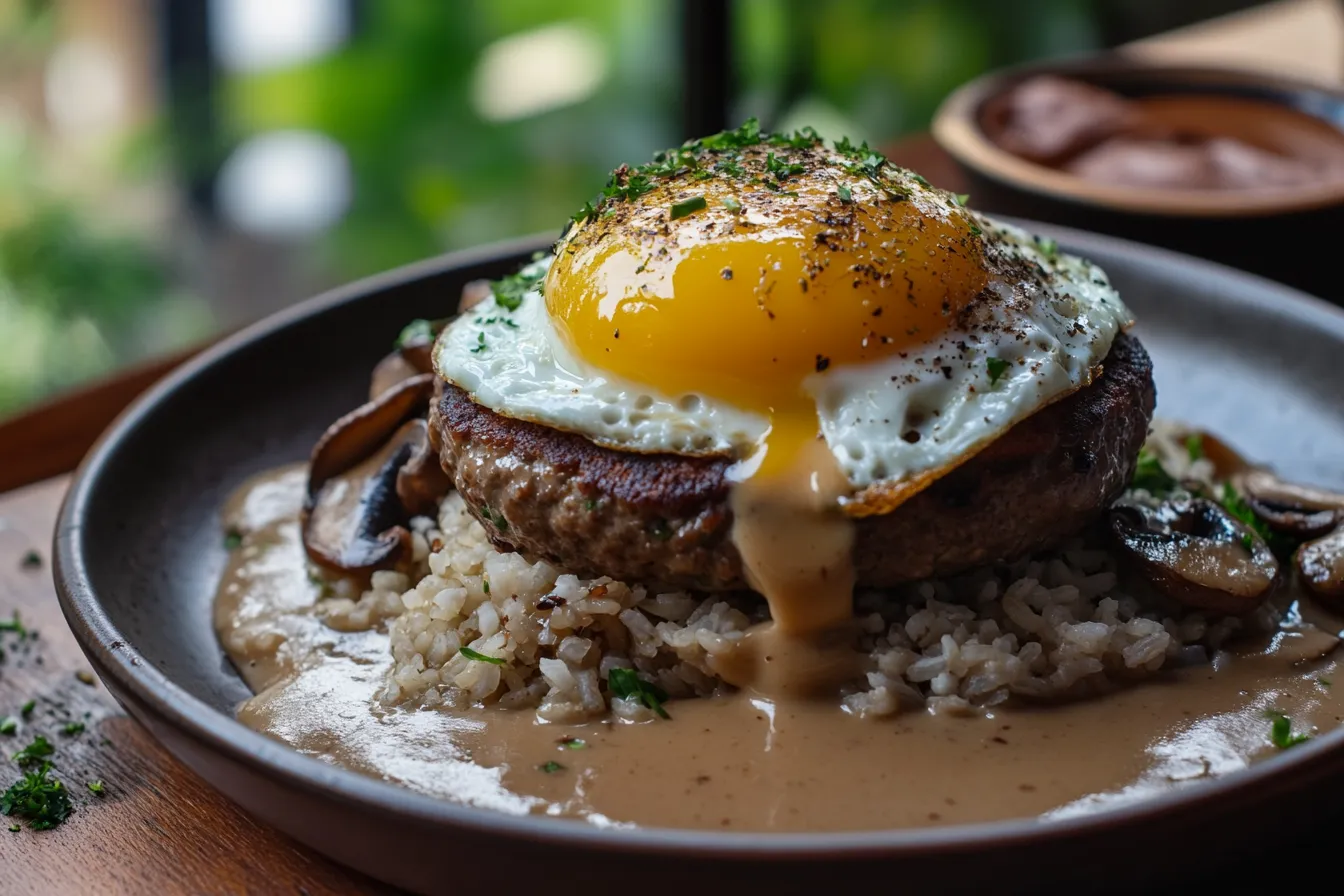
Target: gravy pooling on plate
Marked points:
741	762
782	455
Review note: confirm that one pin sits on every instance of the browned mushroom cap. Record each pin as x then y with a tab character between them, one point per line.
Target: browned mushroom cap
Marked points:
1298	510
355	521
365	429
1196	553
1320	565
353	514
390	372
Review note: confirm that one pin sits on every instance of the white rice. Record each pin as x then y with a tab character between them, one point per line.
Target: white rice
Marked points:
1055	626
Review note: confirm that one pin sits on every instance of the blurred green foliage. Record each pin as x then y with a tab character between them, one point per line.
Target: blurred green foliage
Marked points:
79	293
429	172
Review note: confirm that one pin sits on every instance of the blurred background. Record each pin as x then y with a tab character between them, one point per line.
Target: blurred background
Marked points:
170	170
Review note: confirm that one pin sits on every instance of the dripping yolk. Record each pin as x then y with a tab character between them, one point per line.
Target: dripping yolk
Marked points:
744	300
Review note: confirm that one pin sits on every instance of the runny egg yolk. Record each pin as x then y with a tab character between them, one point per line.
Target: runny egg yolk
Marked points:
747	297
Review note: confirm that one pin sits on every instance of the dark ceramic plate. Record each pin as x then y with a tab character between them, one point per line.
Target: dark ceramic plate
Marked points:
138	550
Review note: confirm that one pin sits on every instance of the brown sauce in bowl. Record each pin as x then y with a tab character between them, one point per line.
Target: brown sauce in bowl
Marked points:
1199	142
747	762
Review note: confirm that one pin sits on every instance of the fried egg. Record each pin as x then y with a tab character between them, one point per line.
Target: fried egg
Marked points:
742	296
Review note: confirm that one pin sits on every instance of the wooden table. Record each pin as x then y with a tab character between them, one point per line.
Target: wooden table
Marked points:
160	829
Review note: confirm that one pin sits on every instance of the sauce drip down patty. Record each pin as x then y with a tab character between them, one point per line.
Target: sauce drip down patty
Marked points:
828	321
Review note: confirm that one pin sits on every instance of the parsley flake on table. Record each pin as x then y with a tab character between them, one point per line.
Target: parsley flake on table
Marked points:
14	624
97	788
72	728
43	801
9	725
627	685
27	709
550	767
31	560
36	751
573	743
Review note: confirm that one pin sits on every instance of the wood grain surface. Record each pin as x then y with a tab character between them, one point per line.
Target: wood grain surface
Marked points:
157	829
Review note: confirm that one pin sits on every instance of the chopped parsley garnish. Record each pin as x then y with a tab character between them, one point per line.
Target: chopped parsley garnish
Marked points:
1281	731
997	367
1150	475
480	345
36	751
801	139
1194	446
845	193
1325	682
27	709
96	787
732	204
509	291
418	330
919	179
1047	246
688	206
31	560
627	685
9	725
480	657
748	134
781	169
485	585
232	539
72	728
14	829
573	743
14	624
38	798
551	767
962	198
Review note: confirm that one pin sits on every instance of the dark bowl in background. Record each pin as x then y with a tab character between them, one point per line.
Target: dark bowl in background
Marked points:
1289	235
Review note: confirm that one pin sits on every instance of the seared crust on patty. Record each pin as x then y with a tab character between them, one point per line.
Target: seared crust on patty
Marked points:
665	518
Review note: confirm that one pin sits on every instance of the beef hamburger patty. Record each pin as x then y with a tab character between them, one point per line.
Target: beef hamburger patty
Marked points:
664	518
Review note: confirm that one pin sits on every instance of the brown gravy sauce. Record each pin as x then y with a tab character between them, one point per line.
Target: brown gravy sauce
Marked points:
744	762
796	549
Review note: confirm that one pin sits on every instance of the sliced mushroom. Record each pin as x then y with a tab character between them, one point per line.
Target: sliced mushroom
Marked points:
1298	510
473	294
1320	566
365	429
421	482
355	521
1194	552
390	372
1226	460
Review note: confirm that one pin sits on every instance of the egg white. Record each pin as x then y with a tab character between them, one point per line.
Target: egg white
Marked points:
891	420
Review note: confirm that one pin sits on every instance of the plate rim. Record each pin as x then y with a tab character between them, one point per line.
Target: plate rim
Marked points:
114	655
